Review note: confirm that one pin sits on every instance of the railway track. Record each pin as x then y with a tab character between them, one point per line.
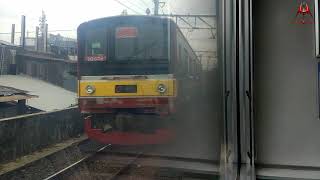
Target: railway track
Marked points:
41	164
112	162
97	165
74	165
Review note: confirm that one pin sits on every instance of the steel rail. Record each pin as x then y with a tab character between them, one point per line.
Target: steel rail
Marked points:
76	163
126	166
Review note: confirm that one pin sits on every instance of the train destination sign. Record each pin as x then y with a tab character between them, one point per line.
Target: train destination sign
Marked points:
126	32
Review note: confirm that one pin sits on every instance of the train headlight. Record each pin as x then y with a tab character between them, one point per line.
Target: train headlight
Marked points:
162	88
90	89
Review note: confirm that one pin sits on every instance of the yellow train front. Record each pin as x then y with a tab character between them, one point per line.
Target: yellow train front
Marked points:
130	70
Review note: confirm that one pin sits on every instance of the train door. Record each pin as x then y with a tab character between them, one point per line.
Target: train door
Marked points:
236	51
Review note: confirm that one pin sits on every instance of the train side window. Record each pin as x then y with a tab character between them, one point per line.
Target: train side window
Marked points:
186	60
180	61
192	69
180	54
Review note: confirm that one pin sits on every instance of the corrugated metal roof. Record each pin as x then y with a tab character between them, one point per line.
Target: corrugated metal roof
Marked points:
8	94
16	97
51	97
9	91
7	43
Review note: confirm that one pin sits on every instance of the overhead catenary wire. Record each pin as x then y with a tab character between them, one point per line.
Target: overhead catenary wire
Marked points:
127	7
146	4
136	5
171	7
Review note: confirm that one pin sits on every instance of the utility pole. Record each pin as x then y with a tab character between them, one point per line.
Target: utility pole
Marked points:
45	38
36	43
43	21
43	27
13	31
23	31
156	7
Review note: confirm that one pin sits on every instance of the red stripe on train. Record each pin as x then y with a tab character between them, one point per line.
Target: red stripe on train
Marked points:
97	104
161	136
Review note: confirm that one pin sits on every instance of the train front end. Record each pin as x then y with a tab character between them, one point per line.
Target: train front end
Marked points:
126	91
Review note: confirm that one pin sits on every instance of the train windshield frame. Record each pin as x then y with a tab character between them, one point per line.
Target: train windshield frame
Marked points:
106	45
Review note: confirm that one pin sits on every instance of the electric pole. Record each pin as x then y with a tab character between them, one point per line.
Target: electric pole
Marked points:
156	7
43	21
43	27
13	31
23	31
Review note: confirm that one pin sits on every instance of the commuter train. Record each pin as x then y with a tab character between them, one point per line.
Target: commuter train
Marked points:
134	74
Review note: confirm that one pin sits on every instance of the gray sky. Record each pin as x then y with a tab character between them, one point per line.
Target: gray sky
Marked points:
61	14
65	14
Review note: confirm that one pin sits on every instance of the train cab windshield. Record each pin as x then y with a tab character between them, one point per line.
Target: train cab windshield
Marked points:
128	45
96	45
145	42
127	41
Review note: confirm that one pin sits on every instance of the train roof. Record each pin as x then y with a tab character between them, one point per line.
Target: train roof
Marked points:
134	17
114	18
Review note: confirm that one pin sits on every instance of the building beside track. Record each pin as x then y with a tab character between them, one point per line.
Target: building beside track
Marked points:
50	97
8	53
13	102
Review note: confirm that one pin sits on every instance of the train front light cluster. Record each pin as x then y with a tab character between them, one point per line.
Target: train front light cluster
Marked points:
162	88
90	89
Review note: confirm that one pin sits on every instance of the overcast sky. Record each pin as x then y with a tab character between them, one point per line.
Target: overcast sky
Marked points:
65	14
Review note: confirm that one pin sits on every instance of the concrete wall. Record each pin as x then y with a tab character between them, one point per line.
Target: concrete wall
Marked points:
287	125
52	70
24	134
